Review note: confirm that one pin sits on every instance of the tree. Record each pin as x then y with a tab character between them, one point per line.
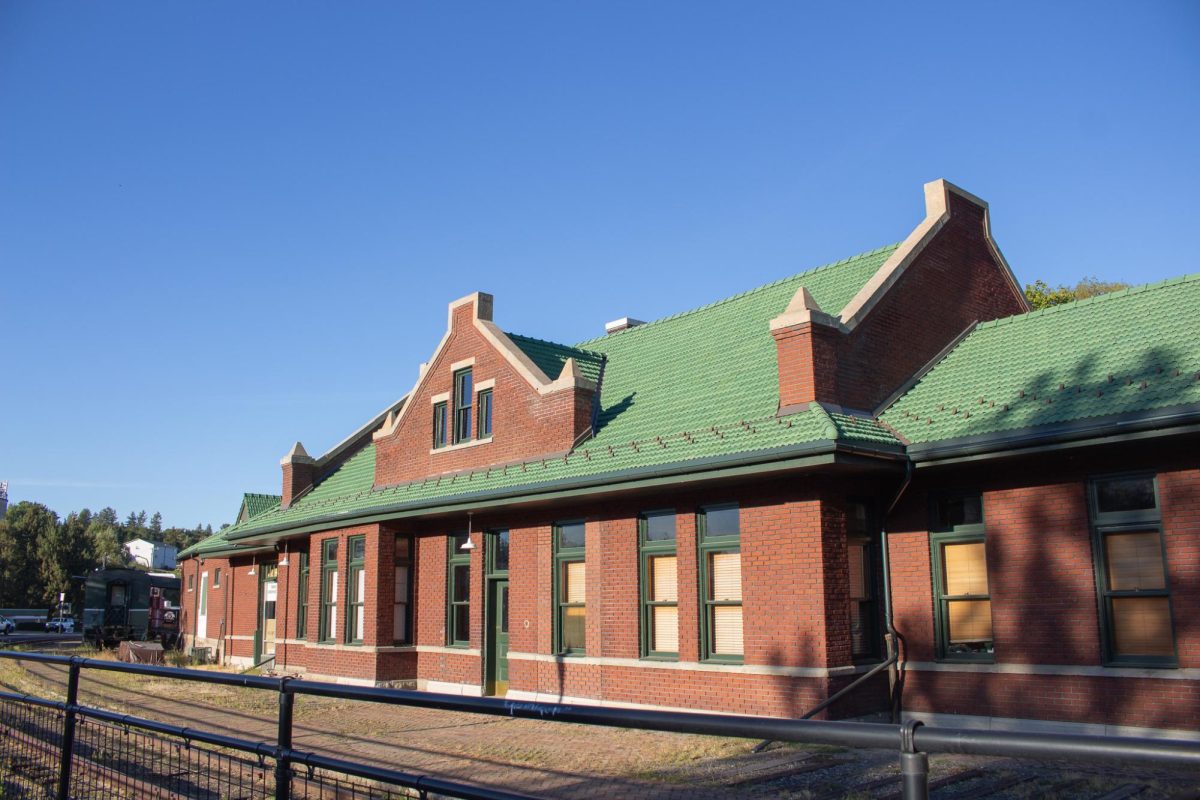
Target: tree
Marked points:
25	526
106	546
1041	295
156	526
63	551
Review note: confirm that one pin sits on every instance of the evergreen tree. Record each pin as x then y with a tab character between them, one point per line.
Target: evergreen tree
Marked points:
156	527
26	525
63	552
107	516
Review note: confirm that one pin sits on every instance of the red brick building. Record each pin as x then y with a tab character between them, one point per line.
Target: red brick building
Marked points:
693	512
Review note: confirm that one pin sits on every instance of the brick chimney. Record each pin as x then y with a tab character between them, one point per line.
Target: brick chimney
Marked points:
299	470
806	342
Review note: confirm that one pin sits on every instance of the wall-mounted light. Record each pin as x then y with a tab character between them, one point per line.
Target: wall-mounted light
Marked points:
283	562
468	545
253	564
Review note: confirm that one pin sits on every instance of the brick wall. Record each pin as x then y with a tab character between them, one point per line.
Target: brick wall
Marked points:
525	424
1045	609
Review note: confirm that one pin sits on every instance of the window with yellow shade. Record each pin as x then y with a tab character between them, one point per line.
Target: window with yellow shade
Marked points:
659	585
570	588
1131	573
721	635
962	600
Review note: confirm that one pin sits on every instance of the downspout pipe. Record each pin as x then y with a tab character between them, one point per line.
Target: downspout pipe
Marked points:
892	635
892	662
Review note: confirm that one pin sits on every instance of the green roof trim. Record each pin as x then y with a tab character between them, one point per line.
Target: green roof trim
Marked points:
1124	353
550	356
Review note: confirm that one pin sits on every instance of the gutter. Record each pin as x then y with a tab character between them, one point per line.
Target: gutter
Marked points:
756	462
1099	430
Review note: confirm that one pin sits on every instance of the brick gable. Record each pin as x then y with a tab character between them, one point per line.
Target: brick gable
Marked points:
533	414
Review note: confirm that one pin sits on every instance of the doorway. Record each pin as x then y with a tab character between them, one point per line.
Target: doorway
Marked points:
202	608
497	661
495	669
268	592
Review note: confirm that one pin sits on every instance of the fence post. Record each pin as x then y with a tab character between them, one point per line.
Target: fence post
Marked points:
68	737
283	743
914	765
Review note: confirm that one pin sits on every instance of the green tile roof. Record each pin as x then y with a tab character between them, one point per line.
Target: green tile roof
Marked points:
1131	351
255	504
712	365
550	356
698	385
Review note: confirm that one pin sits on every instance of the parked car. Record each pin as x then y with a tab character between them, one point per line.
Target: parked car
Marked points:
7	626
61	625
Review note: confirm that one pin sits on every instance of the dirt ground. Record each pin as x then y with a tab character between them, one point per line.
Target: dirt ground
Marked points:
564	760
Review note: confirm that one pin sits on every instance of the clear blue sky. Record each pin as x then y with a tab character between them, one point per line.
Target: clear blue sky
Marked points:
228	226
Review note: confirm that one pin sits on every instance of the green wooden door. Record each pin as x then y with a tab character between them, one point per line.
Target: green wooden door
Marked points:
497	666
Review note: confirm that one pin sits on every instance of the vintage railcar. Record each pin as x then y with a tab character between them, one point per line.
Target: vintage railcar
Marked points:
124	604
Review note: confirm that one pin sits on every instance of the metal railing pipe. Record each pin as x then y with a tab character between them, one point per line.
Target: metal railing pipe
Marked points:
847	734
1074	747
423	783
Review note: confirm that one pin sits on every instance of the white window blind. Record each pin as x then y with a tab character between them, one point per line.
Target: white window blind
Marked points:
727	630
1134	561
576	576
970	620
1142	626
966	569
726	576
664	579
333	594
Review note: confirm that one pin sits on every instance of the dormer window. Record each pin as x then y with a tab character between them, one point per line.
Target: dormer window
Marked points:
485	413
463	395
439	425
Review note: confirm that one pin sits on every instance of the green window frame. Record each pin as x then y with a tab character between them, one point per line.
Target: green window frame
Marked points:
962	601
498	543
356	589
570	588
658	579
329	591
1132	577
458	592
439	425
402	588
463	397
862	547
719	555
484	424
302	598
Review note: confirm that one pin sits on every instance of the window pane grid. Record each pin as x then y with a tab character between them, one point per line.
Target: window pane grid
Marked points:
328	628
463	397
1131	571
659	573
302	598
722	634
458	592
570	588
961	585
402	590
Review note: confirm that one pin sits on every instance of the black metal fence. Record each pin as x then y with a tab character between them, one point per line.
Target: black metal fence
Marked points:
66	750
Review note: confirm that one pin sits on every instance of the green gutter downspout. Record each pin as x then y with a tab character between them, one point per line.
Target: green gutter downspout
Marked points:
895	682
890	663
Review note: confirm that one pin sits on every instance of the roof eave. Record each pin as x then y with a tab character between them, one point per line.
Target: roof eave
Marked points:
781	459
1078	433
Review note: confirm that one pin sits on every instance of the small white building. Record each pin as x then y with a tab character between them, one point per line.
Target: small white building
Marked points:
154	555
